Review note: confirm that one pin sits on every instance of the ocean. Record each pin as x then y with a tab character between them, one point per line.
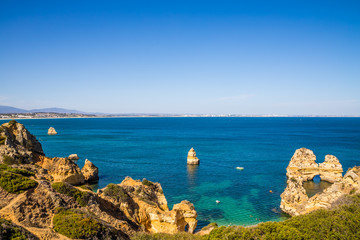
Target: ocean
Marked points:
156	149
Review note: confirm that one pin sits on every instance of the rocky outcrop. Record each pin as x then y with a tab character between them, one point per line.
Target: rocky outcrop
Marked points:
62	170
191	158
17	145
45	189
90	172
303	167
145	204
52	131
73	157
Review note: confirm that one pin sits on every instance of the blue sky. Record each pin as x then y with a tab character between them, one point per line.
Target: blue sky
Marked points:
220	57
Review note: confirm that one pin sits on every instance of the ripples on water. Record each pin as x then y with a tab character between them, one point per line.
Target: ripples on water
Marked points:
156	149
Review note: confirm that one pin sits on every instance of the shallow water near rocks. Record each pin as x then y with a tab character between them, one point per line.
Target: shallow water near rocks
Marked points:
156	149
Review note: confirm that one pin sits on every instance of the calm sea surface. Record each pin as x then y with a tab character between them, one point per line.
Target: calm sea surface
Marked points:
156	149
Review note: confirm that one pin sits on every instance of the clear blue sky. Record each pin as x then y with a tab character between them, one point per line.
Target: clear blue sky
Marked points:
221	57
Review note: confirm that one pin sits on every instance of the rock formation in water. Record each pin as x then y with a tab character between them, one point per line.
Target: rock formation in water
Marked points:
303	167
42	197
73	157
191	158
90	172
52	131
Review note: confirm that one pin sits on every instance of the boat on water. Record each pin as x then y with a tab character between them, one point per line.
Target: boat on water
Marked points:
239	168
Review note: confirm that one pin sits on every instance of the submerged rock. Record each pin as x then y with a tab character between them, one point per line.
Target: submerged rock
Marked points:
52	131
303	167
90	172
191	158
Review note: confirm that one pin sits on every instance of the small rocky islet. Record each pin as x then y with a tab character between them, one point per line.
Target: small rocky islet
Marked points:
45	198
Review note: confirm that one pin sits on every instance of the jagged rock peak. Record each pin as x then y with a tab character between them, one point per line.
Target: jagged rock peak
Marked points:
191	158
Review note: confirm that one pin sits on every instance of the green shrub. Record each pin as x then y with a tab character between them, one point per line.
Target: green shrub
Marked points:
12	122
165	236
147	182
76	225
9	160
2	140
15	183
81	197
10	231
25	173
116	192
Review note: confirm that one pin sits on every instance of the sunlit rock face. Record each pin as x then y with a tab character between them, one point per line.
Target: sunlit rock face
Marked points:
191	158
303	167
52	131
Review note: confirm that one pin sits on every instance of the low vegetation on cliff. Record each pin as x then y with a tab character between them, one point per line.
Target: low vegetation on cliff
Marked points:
76	224
10	231
81	197
15	180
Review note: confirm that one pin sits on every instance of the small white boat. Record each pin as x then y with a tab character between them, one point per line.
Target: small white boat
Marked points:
239	168
217	201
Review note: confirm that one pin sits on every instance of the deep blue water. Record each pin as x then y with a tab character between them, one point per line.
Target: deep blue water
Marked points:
156	149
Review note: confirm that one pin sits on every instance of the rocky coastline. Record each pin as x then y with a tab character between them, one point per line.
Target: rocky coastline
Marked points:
40	195
47	198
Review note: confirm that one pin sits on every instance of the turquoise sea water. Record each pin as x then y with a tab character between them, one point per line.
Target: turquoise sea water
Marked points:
156	149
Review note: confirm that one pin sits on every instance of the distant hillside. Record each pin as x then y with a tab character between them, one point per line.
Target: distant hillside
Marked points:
8	109
56	110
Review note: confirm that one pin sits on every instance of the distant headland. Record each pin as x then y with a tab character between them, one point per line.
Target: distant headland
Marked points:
7	112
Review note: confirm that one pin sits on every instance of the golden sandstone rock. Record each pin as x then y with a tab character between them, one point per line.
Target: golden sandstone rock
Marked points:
90	171
191	158
52	131
303	167
145	204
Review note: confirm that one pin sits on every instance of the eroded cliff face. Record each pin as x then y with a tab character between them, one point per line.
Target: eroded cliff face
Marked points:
145	204
303	167
119	209
17	145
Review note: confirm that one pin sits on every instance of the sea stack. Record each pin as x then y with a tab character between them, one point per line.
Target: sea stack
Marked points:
52	131
192	159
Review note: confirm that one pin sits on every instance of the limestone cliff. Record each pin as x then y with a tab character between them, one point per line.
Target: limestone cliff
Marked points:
145	204
303	167
17	145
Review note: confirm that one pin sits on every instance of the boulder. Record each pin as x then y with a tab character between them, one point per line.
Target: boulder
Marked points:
52	131
62	170
191	158
90	172
73	157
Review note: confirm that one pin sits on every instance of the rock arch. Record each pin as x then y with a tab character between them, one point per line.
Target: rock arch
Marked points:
303	167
